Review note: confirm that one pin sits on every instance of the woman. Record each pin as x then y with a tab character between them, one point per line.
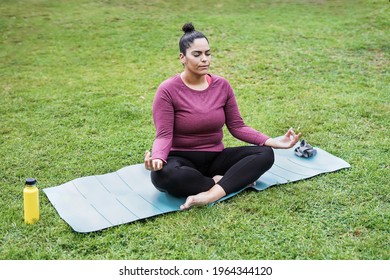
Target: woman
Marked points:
188	157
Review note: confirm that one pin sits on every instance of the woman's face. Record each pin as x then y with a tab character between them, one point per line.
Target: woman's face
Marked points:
197	58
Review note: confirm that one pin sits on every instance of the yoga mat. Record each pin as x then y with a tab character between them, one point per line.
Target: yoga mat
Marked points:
93	203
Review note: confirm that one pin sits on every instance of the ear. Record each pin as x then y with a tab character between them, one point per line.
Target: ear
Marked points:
182	58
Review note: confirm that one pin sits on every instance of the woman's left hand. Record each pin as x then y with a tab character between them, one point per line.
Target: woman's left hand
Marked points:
285	142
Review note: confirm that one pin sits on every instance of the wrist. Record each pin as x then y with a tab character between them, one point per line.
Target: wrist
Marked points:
270	142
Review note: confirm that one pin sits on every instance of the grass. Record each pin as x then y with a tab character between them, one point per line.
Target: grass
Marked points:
77	83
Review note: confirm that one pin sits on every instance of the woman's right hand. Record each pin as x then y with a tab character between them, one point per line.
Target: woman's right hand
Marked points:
152	164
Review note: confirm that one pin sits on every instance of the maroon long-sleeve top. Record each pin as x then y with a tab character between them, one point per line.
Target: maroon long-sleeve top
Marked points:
193	120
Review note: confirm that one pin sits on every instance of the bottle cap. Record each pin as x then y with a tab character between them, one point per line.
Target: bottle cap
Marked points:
31	181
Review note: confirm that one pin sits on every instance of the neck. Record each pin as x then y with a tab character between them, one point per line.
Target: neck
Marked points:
193	80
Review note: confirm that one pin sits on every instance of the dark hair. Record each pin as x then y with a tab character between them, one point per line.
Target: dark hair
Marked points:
190	34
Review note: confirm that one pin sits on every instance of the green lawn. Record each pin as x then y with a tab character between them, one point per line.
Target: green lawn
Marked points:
77	80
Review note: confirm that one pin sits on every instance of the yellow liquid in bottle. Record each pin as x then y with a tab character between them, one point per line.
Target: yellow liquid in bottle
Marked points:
31	204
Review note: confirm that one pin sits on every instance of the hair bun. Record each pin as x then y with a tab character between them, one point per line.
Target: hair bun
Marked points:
188	27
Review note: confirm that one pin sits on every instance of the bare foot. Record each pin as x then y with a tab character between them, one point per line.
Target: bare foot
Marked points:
199	199
204	198
217	178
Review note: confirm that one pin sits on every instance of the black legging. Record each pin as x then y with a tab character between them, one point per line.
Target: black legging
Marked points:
189	173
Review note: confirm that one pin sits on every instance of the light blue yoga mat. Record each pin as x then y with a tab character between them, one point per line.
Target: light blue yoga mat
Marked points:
97	202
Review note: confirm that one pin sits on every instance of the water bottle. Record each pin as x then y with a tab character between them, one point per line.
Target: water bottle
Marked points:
31	201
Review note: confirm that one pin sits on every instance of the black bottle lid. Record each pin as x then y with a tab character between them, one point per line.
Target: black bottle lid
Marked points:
31	181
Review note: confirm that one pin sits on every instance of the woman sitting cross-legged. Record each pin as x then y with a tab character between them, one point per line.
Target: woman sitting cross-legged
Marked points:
188	157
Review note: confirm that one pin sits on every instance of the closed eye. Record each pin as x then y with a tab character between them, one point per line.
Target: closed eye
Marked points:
198	53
